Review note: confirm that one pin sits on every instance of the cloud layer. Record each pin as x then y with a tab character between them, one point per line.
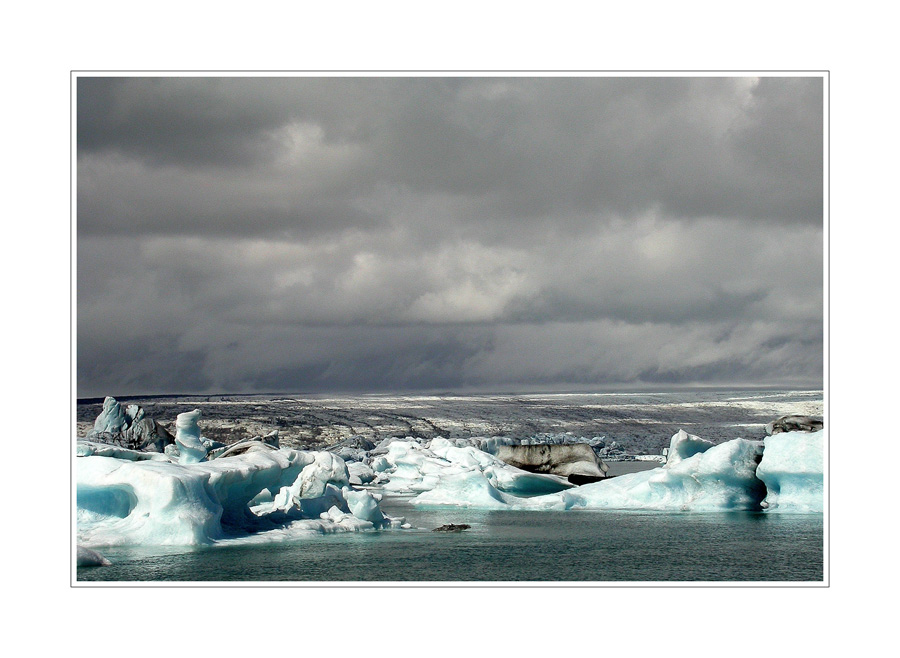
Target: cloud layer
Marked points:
374	234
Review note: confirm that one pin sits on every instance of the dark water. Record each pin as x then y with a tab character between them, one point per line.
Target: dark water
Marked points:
571	546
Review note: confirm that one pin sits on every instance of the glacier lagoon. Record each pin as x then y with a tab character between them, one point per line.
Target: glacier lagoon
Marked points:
508	546
697	520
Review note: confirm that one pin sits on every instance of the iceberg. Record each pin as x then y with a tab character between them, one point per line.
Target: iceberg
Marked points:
88	448
470	488
410	467
361	473
720	478
576	460
684	445
112	419
782	473
792	470
364	506
129	428
157	501
187	438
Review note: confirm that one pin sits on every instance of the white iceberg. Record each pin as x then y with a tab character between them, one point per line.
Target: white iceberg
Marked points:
792	470
153	502
684	445
720	478
360	473
187	438
256	491
88	448
413	468
364	506
784	473
112	418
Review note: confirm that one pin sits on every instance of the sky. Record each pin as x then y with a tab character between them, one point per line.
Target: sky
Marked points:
379	234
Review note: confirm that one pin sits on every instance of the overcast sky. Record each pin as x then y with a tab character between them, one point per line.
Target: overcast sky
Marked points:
421	234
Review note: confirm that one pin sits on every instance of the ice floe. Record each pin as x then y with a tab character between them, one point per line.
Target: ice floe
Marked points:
721	478
154	501
737	475
792	470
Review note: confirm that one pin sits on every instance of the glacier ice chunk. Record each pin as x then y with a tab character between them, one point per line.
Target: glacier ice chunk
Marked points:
154	502
360	473
364	506
326	468
88	448
413	468
792	470
468	488
684	445
128	428
720	478
187	438
112	419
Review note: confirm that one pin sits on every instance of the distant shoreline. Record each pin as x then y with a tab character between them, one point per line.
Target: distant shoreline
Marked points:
623	390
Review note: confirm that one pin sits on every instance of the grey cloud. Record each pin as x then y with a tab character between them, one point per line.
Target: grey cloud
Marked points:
367	313
138	363
497	357
647	271
376	234
516	149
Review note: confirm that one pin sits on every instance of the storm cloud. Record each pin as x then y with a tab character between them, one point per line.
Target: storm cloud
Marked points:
384	234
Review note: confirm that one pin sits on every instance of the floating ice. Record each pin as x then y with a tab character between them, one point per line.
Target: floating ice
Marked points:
785	470
187	438
112	418
720	478
324	469
88	448
360	473
363	505
792	470
128	428
412	468
122	501
684	445
469	488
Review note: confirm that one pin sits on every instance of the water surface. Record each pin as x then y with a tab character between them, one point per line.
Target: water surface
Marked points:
511	546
